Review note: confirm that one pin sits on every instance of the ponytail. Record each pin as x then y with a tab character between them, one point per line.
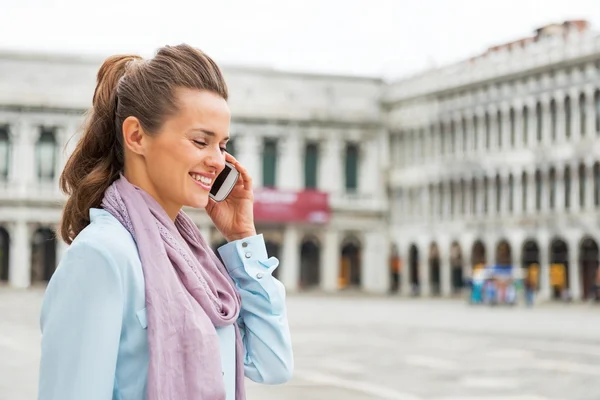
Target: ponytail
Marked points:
98	157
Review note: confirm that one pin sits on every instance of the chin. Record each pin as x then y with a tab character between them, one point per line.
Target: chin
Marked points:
198	202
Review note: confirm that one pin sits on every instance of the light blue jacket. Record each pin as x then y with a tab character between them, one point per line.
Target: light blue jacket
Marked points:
93	319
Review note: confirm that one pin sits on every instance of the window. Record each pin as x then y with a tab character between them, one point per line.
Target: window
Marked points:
568	117
487	131
511	193
452	199
351	167
311	156
538	190
552	183
525	125
442	139
553	116
597	184
524	193
567	179
269	162
582	185
4	153
499	125
513	133
485	195
441	200
498	194
46	155
452	137
582	106
540	119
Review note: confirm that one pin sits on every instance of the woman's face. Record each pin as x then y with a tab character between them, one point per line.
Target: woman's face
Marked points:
185	157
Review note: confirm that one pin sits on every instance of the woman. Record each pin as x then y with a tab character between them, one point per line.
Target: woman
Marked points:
140	307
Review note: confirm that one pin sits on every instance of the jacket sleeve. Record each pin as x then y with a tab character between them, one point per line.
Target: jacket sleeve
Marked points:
263	318
81	322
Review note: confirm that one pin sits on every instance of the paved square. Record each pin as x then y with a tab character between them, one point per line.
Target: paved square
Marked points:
351	347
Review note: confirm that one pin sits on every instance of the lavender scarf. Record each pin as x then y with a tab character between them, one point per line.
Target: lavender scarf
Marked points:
188	294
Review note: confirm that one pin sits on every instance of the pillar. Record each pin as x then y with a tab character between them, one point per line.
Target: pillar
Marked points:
574	270
20	255
375	267
445	269
290	172
330	166
330	260
249	153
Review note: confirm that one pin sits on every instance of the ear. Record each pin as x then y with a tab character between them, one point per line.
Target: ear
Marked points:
133	135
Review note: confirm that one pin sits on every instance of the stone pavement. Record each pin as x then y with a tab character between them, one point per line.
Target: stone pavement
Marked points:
358	348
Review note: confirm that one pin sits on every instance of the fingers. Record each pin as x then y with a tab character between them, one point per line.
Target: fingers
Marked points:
246	179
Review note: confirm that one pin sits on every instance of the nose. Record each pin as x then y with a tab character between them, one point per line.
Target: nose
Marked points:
216	160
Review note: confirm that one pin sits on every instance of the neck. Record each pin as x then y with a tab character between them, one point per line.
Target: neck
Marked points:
142	181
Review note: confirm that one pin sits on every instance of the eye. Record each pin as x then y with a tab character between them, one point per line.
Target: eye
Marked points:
199	143
223	149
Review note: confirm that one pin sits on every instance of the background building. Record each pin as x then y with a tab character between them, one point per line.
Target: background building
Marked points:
493	160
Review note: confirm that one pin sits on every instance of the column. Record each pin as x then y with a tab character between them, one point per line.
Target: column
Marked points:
330	166
445	269
375	267
531	193
560	188
505	133
369	173
590	114
23	160
20	255
589	186
330	260
574	270
518	195
290	263
545	190
249	154
290	171
490	249
544	243
575	113
531	123
561	135
405	284
575	207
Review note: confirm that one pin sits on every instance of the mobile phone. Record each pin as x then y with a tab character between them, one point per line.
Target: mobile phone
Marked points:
224	182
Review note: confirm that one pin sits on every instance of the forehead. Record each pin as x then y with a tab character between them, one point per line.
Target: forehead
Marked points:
201	109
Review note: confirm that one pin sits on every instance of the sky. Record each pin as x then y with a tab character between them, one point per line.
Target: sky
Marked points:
383	38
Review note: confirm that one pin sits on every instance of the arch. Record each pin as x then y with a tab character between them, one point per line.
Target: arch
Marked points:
530	261
273	250
596	184
582	114
553	119
350	271
589	259
4	254
568	117
559	267
413	261
581	173
552	188
478	256
434	269
456	267
310	262
503	253
43	255
525	121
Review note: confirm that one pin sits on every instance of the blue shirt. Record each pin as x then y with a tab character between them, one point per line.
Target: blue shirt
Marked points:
94	328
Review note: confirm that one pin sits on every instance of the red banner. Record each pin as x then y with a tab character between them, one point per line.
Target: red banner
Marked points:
272	205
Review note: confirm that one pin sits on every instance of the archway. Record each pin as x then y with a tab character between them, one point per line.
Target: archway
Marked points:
434	269
310	267
588	258
273	249
478	258
350	268
559	268
530	261
4	250
43	255
503	254
395	268
413	261
456	265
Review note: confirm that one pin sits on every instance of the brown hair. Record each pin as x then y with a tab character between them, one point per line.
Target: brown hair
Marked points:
127	85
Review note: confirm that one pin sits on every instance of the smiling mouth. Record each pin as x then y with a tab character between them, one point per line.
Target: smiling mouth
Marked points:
202	179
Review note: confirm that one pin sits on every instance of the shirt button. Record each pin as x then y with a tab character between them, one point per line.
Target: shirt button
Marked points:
248	255
259	275
244	244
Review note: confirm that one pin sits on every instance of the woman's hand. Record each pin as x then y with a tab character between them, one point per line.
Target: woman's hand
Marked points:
234	216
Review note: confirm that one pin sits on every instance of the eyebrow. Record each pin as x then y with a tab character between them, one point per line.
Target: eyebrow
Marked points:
211	133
